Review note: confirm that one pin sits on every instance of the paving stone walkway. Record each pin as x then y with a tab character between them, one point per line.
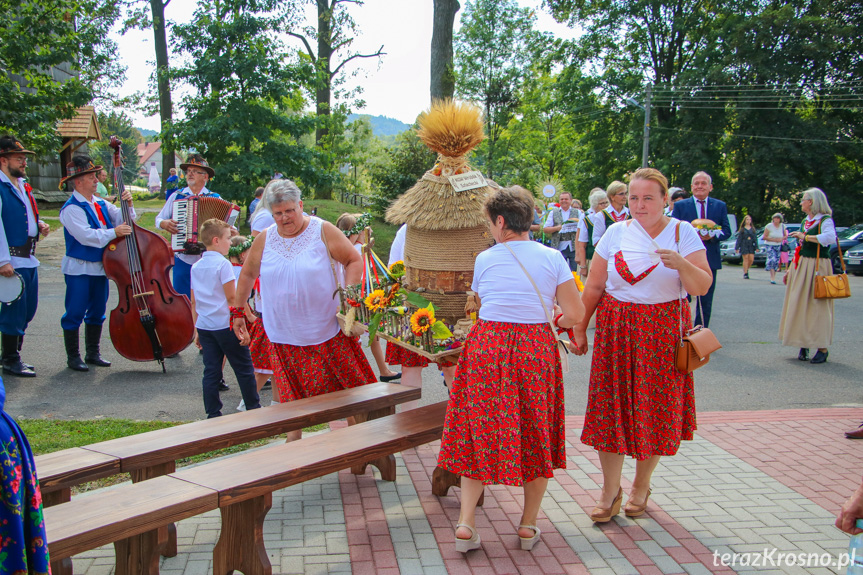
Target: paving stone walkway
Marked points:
758	489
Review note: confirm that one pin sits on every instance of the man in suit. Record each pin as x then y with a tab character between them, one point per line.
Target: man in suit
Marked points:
701	206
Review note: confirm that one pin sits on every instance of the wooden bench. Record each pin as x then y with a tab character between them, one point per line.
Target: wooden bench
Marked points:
154	454
134	517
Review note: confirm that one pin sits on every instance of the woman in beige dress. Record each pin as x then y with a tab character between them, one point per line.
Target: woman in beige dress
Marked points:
808	322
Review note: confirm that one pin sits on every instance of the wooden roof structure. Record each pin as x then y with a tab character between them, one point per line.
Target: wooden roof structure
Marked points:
80	128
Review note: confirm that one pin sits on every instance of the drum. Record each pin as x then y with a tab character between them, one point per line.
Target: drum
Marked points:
11	288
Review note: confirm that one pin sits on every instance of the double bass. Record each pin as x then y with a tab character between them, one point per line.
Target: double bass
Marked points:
151	321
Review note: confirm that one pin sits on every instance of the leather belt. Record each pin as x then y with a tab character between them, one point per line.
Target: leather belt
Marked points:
24	251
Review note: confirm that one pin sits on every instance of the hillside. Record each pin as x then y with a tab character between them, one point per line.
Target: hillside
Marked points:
381	125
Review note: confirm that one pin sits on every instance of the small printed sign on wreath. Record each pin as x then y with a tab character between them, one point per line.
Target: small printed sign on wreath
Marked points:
467	181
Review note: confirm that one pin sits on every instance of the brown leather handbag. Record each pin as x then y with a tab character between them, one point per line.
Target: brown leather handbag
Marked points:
697	343
833	286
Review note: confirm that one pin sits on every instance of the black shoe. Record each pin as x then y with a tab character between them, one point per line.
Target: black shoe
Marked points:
92	337
19	369
21	343
820	356
391	377
223	386
73	357
746	276
11	359
804	354
268	385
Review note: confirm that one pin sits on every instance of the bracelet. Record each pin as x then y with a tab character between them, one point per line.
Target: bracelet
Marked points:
237	313
567	330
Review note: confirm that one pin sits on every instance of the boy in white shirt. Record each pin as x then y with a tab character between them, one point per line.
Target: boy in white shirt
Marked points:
213	287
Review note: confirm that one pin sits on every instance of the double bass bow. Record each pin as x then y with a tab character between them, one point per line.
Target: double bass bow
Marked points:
151	321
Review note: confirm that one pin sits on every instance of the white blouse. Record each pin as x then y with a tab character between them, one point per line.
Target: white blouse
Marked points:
662	284
297	287
503	288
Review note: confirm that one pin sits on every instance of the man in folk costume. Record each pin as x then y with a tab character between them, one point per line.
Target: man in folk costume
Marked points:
703	207
89	224
198	174
559	216
615	212
19	229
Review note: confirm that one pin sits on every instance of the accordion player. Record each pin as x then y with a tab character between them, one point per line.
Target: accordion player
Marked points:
190	213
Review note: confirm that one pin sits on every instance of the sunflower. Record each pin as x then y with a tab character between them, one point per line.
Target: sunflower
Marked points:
397	269
422	320
578	283
377	300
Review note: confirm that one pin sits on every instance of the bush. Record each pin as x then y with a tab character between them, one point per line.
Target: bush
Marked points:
399	169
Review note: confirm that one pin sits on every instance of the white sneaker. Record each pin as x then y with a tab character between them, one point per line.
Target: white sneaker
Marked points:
273	402
242	406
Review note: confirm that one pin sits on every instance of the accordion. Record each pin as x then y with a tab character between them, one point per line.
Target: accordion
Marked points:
190	213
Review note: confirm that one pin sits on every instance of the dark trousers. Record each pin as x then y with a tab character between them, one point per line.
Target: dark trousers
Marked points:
569	255
86	299
706	304
15	316
216	345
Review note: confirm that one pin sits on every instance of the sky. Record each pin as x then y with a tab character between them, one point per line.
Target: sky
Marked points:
397	86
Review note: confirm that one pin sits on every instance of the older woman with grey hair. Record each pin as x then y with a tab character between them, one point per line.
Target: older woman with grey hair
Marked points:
598	200
808	322
310	355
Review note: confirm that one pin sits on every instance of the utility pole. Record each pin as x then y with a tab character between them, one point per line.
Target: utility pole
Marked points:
646	146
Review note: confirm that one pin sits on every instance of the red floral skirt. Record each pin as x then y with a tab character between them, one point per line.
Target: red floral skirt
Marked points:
397	355
638	403
306	371
505	417
260	348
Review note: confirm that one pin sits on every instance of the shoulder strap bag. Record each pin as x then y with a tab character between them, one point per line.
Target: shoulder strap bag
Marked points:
560	344
697	343
833	286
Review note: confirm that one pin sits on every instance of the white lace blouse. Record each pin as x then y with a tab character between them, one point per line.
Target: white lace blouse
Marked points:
297	287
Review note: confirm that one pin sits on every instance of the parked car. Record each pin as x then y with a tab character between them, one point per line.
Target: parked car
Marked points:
848	238
854	260
729	255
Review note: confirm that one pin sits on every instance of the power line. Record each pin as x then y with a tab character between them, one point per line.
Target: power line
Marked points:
687	131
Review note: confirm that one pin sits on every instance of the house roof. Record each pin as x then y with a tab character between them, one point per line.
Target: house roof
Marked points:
146	150
82	126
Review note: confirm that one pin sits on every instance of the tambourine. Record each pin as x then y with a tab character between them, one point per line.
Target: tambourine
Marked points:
11	288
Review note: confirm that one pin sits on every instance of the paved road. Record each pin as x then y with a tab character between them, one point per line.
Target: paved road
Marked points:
753	371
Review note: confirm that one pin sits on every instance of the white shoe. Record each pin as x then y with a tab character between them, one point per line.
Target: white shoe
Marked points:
242	406
274	402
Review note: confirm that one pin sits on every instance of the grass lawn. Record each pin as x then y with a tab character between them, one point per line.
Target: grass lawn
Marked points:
47	435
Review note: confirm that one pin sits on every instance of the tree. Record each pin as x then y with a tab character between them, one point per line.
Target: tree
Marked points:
399	168
335	32
245	112
442	71
490	54
138	18
117	124
39	37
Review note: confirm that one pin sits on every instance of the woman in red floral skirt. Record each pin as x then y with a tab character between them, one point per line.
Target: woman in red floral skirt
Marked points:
309	354
504	422
639	404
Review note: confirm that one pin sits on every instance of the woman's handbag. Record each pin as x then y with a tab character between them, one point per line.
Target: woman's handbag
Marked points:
560	344
834	286
696	344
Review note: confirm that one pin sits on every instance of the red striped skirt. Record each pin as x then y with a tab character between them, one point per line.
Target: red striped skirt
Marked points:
260	348
638	403
310	370
505	417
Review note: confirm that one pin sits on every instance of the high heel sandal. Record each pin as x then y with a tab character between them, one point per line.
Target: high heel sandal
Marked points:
604	514
465	545
527	543
636	510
